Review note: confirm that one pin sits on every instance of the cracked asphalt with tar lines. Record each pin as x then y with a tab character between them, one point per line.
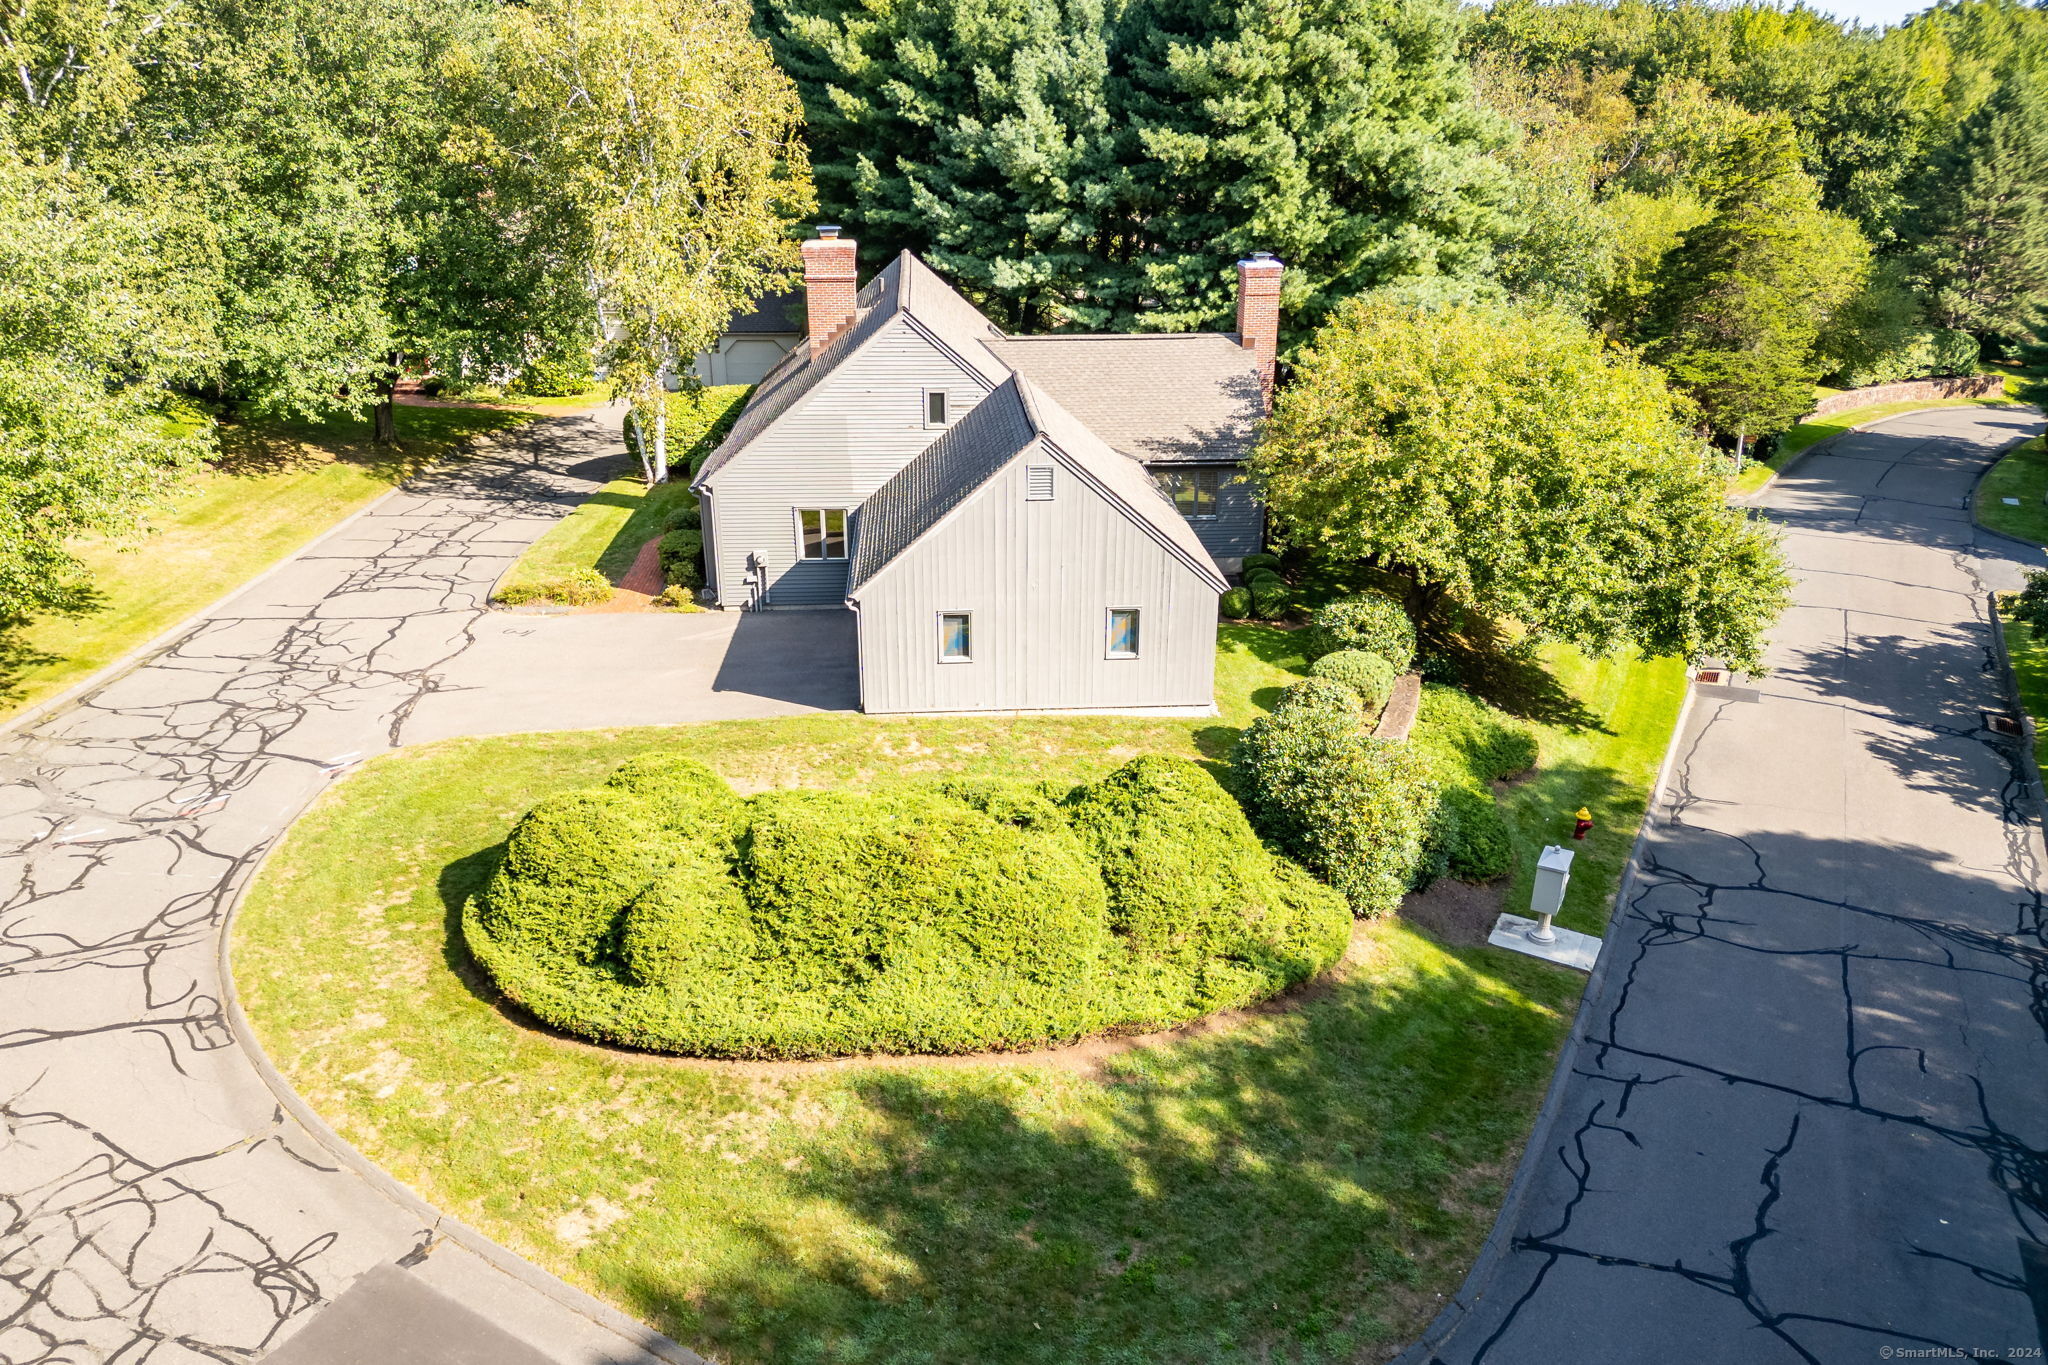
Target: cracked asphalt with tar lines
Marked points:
158	1204
1806	1117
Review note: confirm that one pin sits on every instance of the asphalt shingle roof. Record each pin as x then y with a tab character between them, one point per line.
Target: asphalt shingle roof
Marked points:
1156	397
1017	416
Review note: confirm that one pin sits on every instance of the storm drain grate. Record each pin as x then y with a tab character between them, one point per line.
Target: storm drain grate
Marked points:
1707	675
2001	725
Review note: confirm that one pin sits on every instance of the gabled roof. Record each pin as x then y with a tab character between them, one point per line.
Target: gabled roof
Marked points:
905	287
770	313
1017	418
1156	397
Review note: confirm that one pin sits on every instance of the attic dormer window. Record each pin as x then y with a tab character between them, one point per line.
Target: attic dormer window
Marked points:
935	407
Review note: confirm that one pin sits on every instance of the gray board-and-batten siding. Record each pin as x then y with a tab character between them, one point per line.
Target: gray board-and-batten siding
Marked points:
1038	579
850	434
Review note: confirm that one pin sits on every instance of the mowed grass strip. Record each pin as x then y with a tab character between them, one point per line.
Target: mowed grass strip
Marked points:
2021	475
604	532
1301	1183
275	488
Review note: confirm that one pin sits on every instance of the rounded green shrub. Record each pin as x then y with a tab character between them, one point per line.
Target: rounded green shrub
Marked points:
559	374
1251	562
683	519
1369	675
663	911
1254	577
576	588
1352	808
682	557
1235	604
1319	694
1271	599
1372	623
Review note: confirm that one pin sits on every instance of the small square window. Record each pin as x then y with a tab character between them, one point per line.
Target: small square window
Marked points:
822	532
1123	633
935	407
956	637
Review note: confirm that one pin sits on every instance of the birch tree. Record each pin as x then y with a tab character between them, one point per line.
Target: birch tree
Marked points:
666	130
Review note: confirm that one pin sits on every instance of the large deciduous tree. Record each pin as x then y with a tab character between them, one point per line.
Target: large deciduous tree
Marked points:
96	313
1509	460
665	131
1741	302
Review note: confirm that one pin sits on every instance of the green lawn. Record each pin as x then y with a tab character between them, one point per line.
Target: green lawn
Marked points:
604	533
2029	663
2022	474
1303	1183
275	487
1808	434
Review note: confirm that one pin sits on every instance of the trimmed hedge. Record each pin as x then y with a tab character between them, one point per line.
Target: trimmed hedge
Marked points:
1235	604
682	557
1271	598
1350	807
663	911
1251	562
697	422
580	587
1369	675
1375	624
684	519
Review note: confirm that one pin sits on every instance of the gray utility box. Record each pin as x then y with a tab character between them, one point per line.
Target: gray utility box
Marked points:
1553	875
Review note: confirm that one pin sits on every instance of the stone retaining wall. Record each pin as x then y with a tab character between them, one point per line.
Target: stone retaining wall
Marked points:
1911	391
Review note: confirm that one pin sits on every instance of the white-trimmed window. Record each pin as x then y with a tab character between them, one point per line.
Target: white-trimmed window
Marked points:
1123	633
821	532
937	410
1192	491
956	637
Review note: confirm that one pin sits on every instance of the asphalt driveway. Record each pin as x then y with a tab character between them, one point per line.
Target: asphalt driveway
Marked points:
159	1204
1806	1111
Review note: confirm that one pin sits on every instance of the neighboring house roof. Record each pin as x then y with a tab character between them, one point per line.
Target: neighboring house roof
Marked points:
771	313
904	287
1014	419
1156	397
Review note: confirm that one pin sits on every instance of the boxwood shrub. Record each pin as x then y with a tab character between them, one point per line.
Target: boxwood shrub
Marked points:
1375	624
682	557
683	519
1271	599
663	911
1352	808
1235	604
1369	675
1261	561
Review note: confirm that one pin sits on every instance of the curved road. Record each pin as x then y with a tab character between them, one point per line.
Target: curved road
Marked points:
156	1203
1806	1115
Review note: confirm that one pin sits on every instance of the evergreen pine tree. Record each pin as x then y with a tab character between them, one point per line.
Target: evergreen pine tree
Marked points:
1069	164
1341	135
968	131
1739	304
1981	239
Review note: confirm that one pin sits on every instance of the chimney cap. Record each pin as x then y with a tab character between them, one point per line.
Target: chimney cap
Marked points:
828	231
1261	258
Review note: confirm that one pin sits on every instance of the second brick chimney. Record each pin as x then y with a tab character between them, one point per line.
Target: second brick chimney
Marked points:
1258	312
829	285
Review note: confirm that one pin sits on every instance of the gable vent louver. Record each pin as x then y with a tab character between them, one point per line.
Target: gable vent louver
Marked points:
1038	483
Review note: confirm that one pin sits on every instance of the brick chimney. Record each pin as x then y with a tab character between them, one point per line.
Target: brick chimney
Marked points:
828	285
1258	312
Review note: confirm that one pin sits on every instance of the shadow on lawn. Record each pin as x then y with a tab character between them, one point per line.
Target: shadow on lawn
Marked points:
1283	1191
17	656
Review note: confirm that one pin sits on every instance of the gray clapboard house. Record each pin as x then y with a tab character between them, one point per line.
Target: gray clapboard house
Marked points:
1018	523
